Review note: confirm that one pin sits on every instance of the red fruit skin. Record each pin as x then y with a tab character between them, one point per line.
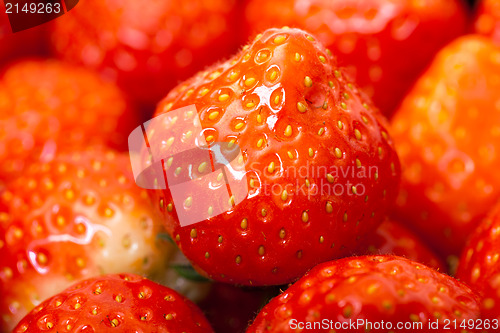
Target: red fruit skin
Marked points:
21	44
479	266
46	105
116	303
75	217
384	44
373	288
448	146
394	238
147	49
274	237
488	19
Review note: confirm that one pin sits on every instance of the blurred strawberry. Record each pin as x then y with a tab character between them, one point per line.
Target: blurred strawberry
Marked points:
319	166
479	265
488	19
72	218
149	47
384	44
393	238
447	133
46	105
374	289
24	43
116	303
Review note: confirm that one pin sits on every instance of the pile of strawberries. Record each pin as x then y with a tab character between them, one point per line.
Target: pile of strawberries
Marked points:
368	139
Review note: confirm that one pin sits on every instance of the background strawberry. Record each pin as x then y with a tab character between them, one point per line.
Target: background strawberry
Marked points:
384	44
374	288
479	264
24	43
394	238
118	303
48	105
447	132
301	125
77	216
488	19
147	49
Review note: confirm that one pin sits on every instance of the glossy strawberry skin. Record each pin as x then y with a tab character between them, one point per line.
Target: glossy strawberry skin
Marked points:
394	238
374	288
488	19
147	49
284	102
77	216
46	105
479	266
118	303
384	44
448	146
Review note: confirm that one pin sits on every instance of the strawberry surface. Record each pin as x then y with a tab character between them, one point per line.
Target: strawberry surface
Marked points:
116	303
385	44
394	238
447	133
317	161
147	48
46	105
479	264
373	289
77	216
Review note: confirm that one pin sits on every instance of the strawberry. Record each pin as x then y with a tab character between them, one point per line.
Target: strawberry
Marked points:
370	289
72	218
448	144
479	263
384	44
23	43
147	48
45	105
394	238
318	163
488	19
116	303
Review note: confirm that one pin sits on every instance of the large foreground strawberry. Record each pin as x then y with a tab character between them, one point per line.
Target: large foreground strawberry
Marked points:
75	217
316	158
147	48
47	105
385	44
447	132
116	303
382	290
479	265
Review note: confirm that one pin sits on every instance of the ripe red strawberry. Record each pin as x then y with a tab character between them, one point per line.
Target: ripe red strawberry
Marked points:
23	43
479	265
488	19
147	49
447	133
46	105
384	44
78	216
393	238
371	289
319	164
116	303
